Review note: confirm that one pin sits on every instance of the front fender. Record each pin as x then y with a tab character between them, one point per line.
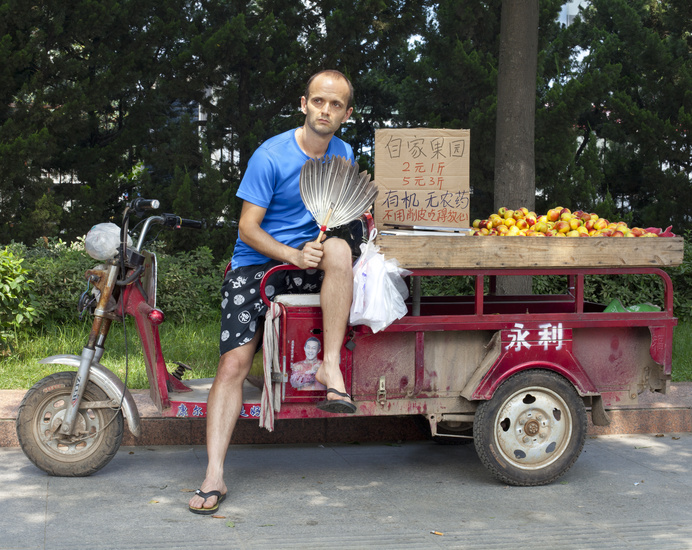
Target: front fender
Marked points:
108	382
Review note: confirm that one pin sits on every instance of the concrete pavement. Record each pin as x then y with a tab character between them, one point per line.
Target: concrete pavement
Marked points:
624	492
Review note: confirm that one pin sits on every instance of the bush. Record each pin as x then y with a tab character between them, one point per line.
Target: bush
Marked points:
17	301
58	271
682	282
188	282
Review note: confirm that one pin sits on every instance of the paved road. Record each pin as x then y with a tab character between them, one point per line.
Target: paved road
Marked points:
624	492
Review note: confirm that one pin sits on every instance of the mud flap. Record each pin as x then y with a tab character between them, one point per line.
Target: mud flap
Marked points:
599	416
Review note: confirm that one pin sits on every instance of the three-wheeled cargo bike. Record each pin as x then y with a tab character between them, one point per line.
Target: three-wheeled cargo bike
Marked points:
515	373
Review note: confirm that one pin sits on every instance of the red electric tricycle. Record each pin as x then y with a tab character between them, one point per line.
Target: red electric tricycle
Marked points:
516	374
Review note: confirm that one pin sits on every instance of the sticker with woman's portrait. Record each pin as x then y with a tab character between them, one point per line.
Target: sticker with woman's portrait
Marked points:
303	372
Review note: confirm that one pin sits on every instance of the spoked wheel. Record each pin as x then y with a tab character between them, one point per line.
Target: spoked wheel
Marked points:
99	432
532	430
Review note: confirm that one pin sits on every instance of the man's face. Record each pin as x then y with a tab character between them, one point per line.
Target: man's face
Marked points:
312	348
325	107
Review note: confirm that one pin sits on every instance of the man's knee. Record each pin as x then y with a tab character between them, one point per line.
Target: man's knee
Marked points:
235	365
337	253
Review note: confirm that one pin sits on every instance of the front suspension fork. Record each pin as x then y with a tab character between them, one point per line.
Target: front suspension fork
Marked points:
92	352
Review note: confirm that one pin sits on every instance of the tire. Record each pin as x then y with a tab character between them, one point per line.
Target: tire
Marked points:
532	430
39	414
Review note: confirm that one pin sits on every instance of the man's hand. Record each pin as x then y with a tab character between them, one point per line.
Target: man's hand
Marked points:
250	230
310	256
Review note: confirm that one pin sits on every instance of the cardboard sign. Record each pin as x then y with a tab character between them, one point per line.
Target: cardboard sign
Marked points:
423	177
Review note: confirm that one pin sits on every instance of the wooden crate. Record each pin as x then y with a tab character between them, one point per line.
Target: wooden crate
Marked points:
468	252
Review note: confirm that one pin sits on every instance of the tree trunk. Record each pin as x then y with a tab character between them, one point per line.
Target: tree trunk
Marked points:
515	183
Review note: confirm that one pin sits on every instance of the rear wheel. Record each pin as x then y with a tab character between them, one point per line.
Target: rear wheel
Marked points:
532	430
99	431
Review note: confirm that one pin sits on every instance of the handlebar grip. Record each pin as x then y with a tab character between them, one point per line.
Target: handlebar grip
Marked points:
193	224
176	222
140	204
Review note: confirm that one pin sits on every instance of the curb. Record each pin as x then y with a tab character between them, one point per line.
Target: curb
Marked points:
656	413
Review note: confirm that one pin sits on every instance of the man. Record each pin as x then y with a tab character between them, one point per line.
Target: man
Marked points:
275	227
303	372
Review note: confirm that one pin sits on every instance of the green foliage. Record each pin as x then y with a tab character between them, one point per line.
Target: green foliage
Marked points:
602	289
17	301
447	286
99	101
682	282
189	284
58	272
91	92
82	85
628	103
682	352
451	81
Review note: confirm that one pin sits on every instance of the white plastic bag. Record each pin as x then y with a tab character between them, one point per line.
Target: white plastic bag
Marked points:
378	289
103	241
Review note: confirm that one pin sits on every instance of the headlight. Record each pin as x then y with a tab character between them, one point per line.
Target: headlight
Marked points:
103	241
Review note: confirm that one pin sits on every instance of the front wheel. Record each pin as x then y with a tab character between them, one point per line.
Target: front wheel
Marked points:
532	430
99	431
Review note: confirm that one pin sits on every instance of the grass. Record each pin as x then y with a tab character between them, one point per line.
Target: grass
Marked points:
193	343
682	352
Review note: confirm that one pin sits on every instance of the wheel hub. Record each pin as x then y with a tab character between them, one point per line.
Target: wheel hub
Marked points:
532	427
53	432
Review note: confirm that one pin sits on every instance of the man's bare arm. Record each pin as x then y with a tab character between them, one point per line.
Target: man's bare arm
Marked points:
253	235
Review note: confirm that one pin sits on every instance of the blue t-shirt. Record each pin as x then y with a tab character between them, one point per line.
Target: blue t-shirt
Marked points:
272	181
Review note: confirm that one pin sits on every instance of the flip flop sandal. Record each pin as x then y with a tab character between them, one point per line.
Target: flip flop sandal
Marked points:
208	511
337	405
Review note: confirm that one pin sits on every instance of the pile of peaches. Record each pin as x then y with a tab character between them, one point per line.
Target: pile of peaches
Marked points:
557	222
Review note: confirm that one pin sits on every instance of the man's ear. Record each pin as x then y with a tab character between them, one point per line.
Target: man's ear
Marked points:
304	105
347	115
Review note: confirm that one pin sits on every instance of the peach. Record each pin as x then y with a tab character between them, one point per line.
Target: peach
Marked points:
574	223
600	224
562	226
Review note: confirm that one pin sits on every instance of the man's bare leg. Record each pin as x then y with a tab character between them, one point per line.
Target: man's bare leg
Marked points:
335	297
223	409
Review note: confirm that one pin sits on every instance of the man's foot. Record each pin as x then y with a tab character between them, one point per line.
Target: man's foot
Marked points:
336	384
208	501
337	404
213	508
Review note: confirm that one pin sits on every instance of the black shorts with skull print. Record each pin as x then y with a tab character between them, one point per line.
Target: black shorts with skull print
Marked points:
242	307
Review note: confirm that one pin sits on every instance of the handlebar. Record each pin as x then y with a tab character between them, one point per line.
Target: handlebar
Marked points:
139	205
167	220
